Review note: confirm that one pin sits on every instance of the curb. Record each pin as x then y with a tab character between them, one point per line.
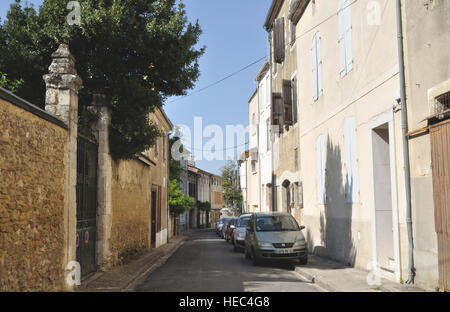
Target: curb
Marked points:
139	275
132	284
314	280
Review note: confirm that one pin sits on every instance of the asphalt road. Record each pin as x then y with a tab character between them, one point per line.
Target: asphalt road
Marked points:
206	263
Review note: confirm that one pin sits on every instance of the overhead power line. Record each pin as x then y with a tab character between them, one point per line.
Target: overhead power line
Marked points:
221	80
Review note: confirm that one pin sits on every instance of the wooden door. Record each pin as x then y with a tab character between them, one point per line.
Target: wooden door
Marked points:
440	157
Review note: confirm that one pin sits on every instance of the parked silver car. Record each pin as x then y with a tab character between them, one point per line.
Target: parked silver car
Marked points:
275	236
238	238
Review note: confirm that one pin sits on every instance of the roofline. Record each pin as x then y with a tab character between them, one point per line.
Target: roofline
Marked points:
198	170
165	117
297	9
262	71
273	11
29	107
253	95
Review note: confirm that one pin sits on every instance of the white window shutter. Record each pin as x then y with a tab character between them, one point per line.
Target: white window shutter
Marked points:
314	65
319	65
343	69
348	35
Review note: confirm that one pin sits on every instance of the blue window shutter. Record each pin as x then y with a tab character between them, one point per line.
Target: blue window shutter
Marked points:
319	65
348	35
342	45
314	65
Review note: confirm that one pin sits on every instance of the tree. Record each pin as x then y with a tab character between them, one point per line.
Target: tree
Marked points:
174	165
232	194
135	52
12	86
178	202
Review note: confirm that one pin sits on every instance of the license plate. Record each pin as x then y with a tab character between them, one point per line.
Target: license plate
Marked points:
283	251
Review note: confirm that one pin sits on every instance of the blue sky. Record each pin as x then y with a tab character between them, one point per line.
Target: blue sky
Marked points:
234	37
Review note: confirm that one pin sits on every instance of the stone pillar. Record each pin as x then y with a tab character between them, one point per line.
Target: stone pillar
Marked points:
61	100
104	174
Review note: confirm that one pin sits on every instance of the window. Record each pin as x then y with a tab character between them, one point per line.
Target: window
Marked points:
292	31
253	165
345	36
277	108
291	196
278	40
287	103
155	150
300	194
296	159
269	133
351	161
443	103
267	91
294	100
321	171
164	147
317	66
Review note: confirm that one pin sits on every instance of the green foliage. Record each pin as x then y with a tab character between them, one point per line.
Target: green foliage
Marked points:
174	165
231	191
136	52
12	86
204	206
178	202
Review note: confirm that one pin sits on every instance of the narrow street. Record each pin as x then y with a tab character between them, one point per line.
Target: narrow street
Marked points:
206	263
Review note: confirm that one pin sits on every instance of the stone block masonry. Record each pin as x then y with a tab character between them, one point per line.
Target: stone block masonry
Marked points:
130	234
32	178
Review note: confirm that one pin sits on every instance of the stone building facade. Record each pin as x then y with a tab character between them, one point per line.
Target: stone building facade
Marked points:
427	59
284	116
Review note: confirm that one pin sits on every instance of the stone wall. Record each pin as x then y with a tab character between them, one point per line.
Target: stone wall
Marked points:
32	178
130	231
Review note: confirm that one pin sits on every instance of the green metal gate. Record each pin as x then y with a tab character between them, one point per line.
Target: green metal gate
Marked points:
86	202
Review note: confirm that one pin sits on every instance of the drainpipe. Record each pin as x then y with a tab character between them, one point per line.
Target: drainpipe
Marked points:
401	62
274	189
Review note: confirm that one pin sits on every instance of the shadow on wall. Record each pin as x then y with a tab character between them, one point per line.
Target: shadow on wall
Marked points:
336	240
